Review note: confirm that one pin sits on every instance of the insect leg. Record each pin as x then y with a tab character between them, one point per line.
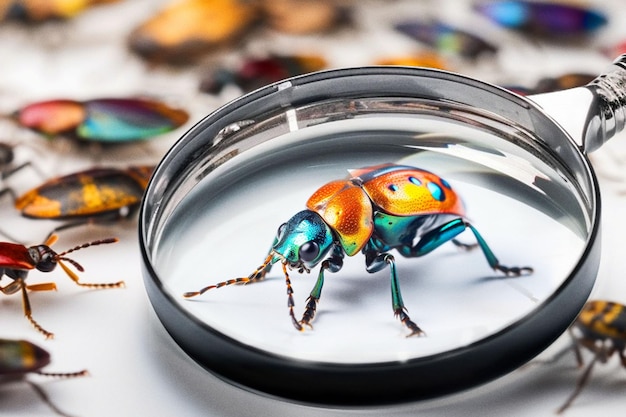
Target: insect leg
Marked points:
447	232
333	264
74	277
493	261
44	397
29	314
582	381
399	309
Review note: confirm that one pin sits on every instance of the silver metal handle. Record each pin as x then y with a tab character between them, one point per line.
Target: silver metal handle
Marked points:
609	117
592	114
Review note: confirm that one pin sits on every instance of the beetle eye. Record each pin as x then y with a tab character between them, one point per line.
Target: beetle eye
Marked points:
281	230
309	251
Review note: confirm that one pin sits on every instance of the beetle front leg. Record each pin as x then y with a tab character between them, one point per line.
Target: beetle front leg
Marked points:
27	309
333	264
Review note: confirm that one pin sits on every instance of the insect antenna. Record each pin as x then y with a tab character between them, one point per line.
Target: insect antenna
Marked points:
60	257
84	245
79	267
257	275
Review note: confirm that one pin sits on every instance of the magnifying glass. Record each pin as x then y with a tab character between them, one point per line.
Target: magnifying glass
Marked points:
218	197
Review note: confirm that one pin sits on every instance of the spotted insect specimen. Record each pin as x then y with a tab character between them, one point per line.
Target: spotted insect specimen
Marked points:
602	328
375	210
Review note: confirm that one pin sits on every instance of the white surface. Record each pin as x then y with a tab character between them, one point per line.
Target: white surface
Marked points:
135	367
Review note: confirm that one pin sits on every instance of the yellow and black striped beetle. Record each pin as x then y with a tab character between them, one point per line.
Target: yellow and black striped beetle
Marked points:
602	328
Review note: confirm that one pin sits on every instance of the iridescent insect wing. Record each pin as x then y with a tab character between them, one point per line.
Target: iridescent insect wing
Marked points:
346	208
119	120
408	191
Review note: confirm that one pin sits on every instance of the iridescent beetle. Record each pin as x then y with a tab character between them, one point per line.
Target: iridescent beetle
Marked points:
106	120
540	18
375	210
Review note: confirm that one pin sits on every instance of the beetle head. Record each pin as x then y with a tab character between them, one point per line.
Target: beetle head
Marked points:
44	258
303	241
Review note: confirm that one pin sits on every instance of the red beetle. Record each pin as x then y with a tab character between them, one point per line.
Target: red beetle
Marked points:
17	260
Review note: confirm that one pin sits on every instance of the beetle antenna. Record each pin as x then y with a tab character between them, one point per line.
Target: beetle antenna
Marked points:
83	246
78	266
257	275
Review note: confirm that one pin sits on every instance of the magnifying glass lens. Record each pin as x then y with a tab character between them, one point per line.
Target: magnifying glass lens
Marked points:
225	226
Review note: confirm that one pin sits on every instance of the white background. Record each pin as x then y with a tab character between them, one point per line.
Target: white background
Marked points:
135	367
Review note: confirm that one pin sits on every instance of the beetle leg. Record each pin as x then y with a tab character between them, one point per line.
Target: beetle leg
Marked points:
333	264
582	381
399	309
29	314
376	261
464	246
74	277
447	232
47	286
44	397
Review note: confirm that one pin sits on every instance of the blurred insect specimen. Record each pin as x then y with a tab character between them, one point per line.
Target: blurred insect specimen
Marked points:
18	358
97	195
545	19
551	84
258	72
427	59
7	161
601	328
105	120
17	260
446	38
35	11
189	28
301	17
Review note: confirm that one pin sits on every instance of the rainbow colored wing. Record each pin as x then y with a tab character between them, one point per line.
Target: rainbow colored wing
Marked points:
120	120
